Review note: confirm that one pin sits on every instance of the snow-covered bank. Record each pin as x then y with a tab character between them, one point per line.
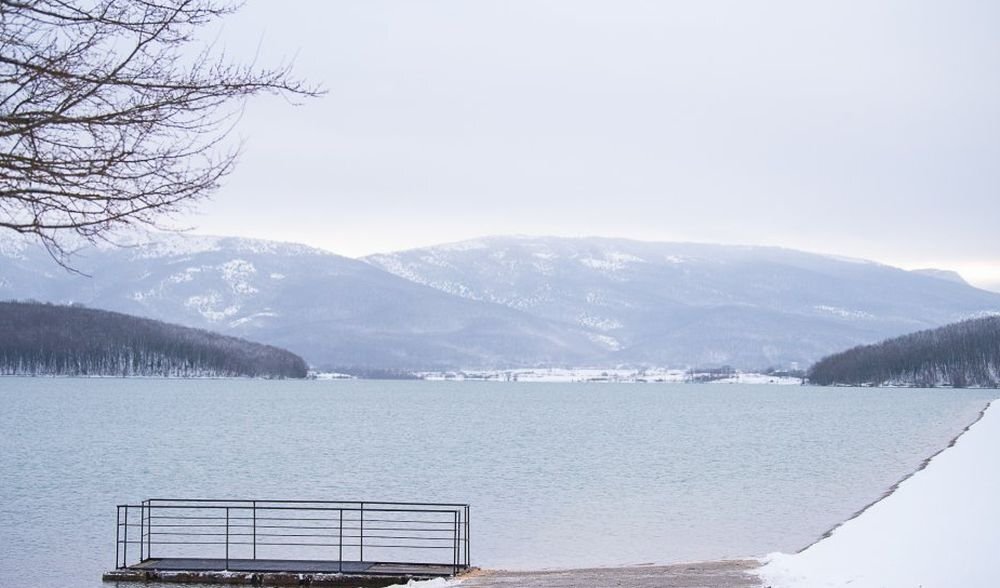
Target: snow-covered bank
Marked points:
939	529
434	583
615	375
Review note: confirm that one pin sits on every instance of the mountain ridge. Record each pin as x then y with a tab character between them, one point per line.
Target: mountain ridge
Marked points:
505	302
335	311
638	292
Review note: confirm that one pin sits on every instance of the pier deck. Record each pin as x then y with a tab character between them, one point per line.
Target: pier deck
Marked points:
300	566
282	542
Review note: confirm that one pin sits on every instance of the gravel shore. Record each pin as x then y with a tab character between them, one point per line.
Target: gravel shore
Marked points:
720	574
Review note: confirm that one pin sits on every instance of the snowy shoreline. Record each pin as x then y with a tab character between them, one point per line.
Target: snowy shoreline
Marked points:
937	528
614	376
892	489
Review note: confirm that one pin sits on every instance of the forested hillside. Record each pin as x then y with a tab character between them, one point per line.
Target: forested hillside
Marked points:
46	339
961	354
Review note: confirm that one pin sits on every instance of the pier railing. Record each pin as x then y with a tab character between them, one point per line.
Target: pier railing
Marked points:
293	530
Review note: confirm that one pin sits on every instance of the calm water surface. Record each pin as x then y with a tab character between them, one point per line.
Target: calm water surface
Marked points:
558	475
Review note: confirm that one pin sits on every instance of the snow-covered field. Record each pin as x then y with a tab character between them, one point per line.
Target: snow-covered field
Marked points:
939	529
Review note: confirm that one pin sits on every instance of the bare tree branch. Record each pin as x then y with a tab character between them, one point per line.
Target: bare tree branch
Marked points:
105	119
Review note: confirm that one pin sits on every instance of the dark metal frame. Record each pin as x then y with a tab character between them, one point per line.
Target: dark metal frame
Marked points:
412	527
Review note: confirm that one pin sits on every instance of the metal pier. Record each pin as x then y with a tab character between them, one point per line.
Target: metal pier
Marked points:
269	541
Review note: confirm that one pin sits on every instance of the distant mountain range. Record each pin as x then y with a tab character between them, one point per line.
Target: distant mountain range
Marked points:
46	339
506	301
960	355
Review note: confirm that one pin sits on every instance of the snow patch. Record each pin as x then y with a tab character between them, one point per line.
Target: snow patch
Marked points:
540	296
599	323
433	583
266	247
755	378
846	259
257	315
434	261
208	306
455	288
615	375
605	340
596	298
611	261
237	274
543	264
147	245
981	314
844	312
397	267
185	276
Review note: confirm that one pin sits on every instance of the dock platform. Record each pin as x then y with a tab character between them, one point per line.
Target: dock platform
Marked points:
289	542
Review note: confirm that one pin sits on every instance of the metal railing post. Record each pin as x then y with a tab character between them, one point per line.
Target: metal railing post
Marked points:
118	534
340	544
361	538
255	529
125	545
142	531
454	554
149	530
468	515
227	538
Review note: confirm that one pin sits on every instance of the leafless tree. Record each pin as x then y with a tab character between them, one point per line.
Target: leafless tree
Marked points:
111	114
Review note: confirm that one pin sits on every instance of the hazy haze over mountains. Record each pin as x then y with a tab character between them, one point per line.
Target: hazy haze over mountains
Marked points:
507	301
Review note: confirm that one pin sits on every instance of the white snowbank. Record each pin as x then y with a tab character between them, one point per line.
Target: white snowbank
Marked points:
435	583
939	529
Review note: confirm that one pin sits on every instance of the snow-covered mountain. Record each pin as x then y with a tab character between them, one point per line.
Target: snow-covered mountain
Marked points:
695	304
504	302
332	310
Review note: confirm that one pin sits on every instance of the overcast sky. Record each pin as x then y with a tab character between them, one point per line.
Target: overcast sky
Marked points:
869	129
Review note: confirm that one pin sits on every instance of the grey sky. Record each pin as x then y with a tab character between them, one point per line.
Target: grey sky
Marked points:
869	129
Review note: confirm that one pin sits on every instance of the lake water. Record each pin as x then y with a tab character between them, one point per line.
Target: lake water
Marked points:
558	475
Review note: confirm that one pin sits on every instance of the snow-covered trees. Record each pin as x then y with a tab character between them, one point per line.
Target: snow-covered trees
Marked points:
961	354
44	339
